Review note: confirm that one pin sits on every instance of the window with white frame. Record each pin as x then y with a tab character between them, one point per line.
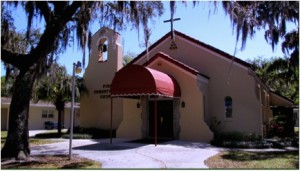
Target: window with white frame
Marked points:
228	107
47	113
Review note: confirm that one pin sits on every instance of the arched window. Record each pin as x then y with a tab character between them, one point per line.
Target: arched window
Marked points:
228	107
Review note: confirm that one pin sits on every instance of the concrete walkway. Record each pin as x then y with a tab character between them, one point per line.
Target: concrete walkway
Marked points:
124	154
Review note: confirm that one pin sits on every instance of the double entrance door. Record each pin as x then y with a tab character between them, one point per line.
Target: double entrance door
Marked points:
164	118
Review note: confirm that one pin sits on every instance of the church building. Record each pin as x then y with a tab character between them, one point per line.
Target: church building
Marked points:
176	89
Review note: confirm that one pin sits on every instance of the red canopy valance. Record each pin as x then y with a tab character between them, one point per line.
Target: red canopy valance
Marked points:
136	80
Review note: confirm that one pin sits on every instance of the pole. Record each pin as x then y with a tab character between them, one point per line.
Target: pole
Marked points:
111	113
155	121
72	112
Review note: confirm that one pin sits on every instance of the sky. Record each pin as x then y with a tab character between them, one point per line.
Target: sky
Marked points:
202	22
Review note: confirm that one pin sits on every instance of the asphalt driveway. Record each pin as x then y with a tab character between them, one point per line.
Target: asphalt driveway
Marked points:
125	154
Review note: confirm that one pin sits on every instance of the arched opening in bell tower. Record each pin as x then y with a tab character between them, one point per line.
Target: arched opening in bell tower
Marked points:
103	49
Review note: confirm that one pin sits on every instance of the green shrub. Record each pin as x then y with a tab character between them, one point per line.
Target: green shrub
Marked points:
78	136
246	144
90	133
238	140
238	136
233	136
252	137
215	125
241	140
47	135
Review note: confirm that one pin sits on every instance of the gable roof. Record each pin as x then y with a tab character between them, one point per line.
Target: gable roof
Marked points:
292	103
175	62
209	47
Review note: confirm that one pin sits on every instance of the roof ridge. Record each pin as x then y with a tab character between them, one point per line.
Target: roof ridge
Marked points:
210	47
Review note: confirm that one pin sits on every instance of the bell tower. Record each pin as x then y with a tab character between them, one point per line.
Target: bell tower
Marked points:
105	60
106	49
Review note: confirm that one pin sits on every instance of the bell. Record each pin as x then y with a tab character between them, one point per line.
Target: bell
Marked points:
104	48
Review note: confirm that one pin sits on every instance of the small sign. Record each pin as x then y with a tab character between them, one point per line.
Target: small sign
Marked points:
105	92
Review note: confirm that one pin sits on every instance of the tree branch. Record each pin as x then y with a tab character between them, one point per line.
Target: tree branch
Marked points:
45	10
47	40
15	59
59	6
51	33
70	10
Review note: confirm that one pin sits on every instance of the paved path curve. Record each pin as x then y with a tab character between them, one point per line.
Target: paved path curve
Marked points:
124	154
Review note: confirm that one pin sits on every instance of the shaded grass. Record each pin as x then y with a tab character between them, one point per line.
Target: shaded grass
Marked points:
90	133
3	134
36	141
296	130
82	165
48	135
51	134
3	137
79	133
32	141
28	165
53	162
254	160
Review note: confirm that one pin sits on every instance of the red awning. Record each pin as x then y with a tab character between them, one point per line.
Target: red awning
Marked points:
136	80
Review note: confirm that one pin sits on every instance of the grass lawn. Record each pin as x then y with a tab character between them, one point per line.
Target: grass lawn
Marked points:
32	141
48	161
254	160
53	162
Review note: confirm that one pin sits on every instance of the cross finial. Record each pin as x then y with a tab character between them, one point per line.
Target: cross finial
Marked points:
172	29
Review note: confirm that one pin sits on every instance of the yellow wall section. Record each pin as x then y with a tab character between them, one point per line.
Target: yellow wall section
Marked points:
192	125
131	124
96	110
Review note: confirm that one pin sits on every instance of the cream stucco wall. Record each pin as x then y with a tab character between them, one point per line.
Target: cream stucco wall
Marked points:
96	106
131	125
66	117
238	83
35	120
191	121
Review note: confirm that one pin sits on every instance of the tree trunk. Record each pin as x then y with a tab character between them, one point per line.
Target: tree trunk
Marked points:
17	142
59	123
60	106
